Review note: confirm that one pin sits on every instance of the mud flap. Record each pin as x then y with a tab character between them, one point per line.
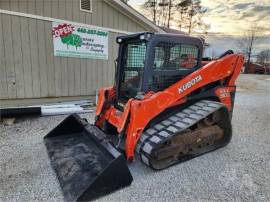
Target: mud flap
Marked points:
87	166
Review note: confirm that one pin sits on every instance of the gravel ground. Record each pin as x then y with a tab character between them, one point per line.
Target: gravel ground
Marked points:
238	172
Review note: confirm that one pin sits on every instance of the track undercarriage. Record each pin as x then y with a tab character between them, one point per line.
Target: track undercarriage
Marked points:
200	128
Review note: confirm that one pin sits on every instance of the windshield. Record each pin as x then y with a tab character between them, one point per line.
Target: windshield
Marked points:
132	68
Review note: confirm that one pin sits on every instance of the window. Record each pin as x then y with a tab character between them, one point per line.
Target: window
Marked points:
175	56
188	56
86	5
133	67
159	57
136	55
172	62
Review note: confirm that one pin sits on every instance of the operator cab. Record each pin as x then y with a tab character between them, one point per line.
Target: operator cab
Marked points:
153	62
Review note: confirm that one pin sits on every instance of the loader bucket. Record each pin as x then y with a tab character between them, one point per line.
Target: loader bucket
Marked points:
87	166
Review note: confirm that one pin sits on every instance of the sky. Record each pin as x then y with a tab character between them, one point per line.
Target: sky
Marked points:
228	20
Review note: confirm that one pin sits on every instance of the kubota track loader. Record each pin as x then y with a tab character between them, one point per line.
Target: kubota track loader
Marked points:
166	105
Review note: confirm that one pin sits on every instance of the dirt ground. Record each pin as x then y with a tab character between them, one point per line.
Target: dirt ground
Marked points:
238	172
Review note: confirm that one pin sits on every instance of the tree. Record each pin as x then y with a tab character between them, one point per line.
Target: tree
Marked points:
182	8
191	15
248	42
159	11
170	5
151	7
187	14
73	40
125	1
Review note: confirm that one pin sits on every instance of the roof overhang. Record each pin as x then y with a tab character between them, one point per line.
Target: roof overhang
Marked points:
133	14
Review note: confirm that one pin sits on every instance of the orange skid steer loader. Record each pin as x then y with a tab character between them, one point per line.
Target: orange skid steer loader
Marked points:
167	105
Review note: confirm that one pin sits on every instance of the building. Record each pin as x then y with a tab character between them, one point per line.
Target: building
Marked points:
255	68
40	41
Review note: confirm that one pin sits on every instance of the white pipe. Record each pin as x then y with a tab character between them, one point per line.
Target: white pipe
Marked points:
61	111
58	106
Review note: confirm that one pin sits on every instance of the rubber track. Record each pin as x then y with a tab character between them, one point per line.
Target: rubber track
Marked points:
173	125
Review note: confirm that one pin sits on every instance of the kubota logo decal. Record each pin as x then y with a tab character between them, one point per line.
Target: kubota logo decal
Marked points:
190	84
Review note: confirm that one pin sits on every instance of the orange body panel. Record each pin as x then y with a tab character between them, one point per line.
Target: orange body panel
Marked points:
224	95
138	113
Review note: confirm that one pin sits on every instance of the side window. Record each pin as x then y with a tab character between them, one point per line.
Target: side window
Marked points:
169	62
173	56
189	56
159	57
175	52
183	56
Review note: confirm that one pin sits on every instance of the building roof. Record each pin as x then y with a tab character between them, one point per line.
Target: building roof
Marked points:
173	31
133	14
